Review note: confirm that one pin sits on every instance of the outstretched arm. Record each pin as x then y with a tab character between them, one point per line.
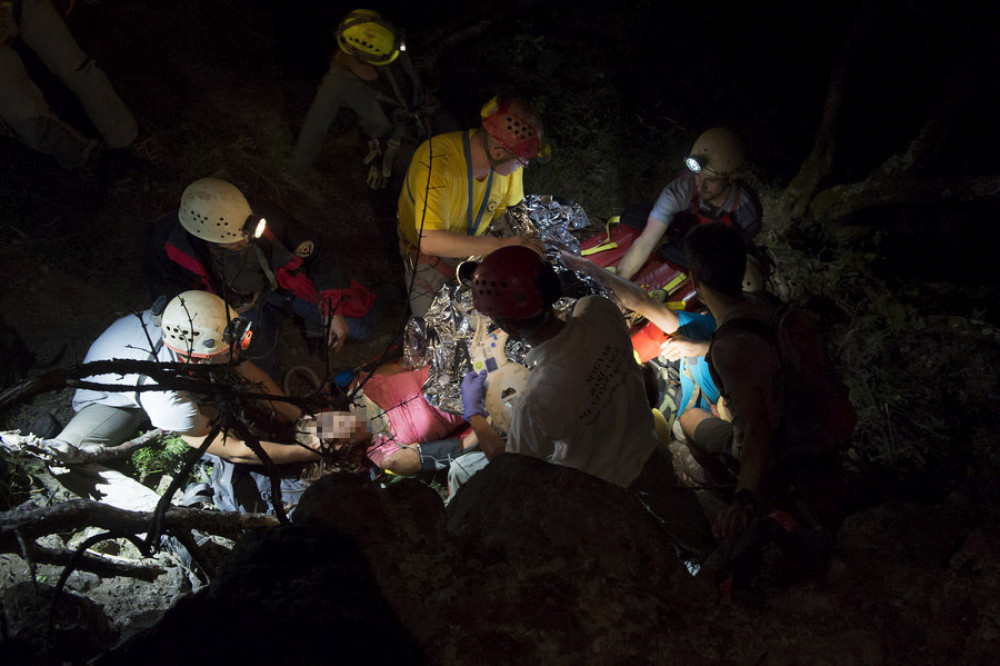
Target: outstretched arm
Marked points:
630	295
268	386
440	243
642	247
236	450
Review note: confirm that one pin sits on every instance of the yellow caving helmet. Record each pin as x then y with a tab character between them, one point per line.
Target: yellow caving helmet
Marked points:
719	152
365	35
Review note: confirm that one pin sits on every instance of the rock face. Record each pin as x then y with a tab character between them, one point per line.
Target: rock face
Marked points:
80	629
539	564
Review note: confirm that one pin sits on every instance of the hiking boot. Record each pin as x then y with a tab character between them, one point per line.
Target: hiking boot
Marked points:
149	148
775	551
31	420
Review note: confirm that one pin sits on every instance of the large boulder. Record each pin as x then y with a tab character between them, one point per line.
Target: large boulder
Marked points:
528	512
79	627
541	564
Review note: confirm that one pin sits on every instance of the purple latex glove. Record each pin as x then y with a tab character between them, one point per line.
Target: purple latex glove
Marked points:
474	394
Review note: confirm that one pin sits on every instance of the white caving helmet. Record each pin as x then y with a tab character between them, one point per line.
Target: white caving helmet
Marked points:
214	210
199	324
718	152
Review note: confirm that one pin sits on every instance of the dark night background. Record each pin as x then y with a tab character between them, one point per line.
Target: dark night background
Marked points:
909	287
626	88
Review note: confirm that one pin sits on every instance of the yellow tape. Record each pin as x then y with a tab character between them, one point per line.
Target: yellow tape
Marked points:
607	244
671	286
598	248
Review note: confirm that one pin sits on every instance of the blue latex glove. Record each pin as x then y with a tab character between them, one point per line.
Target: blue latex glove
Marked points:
474	394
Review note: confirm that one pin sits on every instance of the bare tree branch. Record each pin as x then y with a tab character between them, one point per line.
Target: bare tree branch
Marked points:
956	95
842	200
34	522
102	566
795	199
61	453
108	453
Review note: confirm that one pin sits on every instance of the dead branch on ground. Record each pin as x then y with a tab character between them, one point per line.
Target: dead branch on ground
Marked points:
20	527
34	522
35	446
841	200
103	565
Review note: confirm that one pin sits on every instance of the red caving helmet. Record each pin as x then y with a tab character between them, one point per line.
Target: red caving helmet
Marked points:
514	125
507	283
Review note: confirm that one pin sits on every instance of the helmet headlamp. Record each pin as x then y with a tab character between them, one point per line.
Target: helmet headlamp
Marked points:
694	163
254	227
238	332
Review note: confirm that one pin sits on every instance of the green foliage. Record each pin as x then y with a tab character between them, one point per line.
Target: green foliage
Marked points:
604	154
164	457
921	411
20	481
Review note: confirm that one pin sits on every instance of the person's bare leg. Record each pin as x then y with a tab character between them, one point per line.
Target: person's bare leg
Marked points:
405	461
690	419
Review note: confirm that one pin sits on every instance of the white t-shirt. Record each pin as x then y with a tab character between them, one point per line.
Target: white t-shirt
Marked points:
585	405
129	338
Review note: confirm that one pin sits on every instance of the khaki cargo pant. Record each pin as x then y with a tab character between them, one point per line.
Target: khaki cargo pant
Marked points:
23	107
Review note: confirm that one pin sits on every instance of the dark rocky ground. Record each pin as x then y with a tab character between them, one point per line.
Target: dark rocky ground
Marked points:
516	573
391	578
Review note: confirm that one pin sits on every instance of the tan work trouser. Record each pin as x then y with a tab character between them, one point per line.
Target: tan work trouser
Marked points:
23	107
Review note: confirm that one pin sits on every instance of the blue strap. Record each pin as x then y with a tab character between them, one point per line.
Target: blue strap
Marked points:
471	225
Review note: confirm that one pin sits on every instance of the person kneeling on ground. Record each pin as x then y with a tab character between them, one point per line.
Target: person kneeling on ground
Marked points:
584	405
195	327
263	263
765	435
709	189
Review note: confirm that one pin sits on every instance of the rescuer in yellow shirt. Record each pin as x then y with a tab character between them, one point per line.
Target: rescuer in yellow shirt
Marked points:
457	184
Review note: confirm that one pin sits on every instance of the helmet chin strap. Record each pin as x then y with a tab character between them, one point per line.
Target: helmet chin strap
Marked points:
494	163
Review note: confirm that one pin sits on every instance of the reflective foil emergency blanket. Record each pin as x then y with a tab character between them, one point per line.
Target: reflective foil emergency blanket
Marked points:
443	338
551	219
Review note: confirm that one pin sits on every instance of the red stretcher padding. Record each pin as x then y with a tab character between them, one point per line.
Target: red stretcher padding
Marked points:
658	273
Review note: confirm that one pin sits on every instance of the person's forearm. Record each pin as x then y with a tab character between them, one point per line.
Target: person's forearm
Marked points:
633	260
658	313
258	377
447	244
636	256
490	442
237	451
642	248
